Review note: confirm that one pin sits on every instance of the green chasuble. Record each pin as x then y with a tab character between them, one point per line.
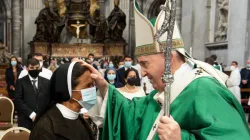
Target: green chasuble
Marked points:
205	110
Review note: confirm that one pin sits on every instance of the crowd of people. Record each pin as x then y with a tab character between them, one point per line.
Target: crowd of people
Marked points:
29	86
35	91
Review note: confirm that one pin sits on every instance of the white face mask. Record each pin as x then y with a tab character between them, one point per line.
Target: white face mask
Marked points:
232	68
91	59
248	65
88	98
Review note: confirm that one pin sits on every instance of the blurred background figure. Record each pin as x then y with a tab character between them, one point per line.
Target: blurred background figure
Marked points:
99	68
216	64
111	78
105	64
120	64
11	76
130	90
245	76
111	64
233	81
20	63
209	60
121	72
53	65
91	58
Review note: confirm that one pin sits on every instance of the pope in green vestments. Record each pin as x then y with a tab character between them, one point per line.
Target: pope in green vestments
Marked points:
202	108
205	109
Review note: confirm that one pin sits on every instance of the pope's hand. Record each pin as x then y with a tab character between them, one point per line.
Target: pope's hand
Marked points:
169	129
101	83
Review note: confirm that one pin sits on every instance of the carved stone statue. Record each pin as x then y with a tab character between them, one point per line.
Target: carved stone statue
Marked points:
98	27
4	55
49	24
116	23
222	27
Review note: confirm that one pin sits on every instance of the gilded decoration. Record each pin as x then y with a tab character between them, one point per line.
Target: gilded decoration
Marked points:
151	49
114	49
40	47
76	50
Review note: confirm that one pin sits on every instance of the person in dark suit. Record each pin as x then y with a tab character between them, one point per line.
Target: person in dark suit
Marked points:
32	95
11	76
245	76
121	71
245	82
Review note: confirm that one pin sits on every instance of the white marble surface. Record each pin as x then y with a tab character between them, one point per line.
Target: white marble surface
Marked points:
237	32
195	26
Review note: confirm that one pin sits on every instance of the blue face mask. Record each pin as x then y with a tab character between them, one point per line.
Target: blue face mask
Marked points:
98	67
111	65
128	64
121	66
111	77
104	65
88	98
13	63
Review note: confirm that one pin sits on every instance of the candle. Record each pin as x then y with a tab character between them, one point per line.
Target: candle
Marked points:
191	51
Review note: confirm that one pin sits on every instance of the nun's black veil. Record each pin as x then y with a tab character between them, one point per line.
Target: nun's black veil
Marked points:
59	85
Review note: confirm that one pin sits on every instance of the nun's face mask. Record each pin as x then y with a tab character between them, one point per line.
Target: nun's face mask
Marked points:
87	90
88	98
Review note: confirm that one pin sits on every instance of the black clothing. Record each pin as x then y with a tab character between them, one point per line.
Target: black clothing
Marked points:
245	75
27	100
59	84
121	76
53	126
10	80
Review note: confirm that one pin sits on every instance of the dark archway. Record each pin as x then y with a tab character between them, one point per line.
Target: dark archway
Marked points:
3	16
154	8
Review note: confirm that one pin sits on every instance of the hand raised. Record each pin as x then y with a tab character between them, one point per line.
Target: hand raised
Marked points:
101	83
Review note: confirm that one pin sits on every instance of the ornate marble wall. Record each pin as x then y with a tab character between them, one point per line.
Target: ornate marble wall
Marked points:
218	27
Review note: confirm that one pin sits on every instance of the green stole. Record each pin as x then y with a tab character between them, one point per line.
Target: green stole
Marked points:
205	109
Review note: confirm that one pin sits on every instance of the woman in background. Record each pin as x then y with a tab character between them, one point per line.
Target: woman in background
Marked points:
130	90
11	76
111	78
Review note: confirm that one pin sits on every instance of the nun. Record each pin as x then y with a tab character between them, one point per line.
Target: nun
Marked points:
72	89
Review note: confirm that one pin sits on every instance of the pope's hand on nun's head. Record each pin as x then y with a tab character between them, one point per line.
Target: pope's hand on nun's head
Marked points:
169	129
92	69
101	83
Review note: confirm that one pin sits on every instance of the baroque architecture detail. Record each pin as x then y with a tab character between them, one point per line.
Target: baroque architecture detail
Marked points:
222	26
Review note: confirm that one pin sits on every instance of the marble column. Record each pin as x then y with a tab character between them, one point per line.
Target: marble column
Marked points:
178	12
131	45
16	27
102	6
237	31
